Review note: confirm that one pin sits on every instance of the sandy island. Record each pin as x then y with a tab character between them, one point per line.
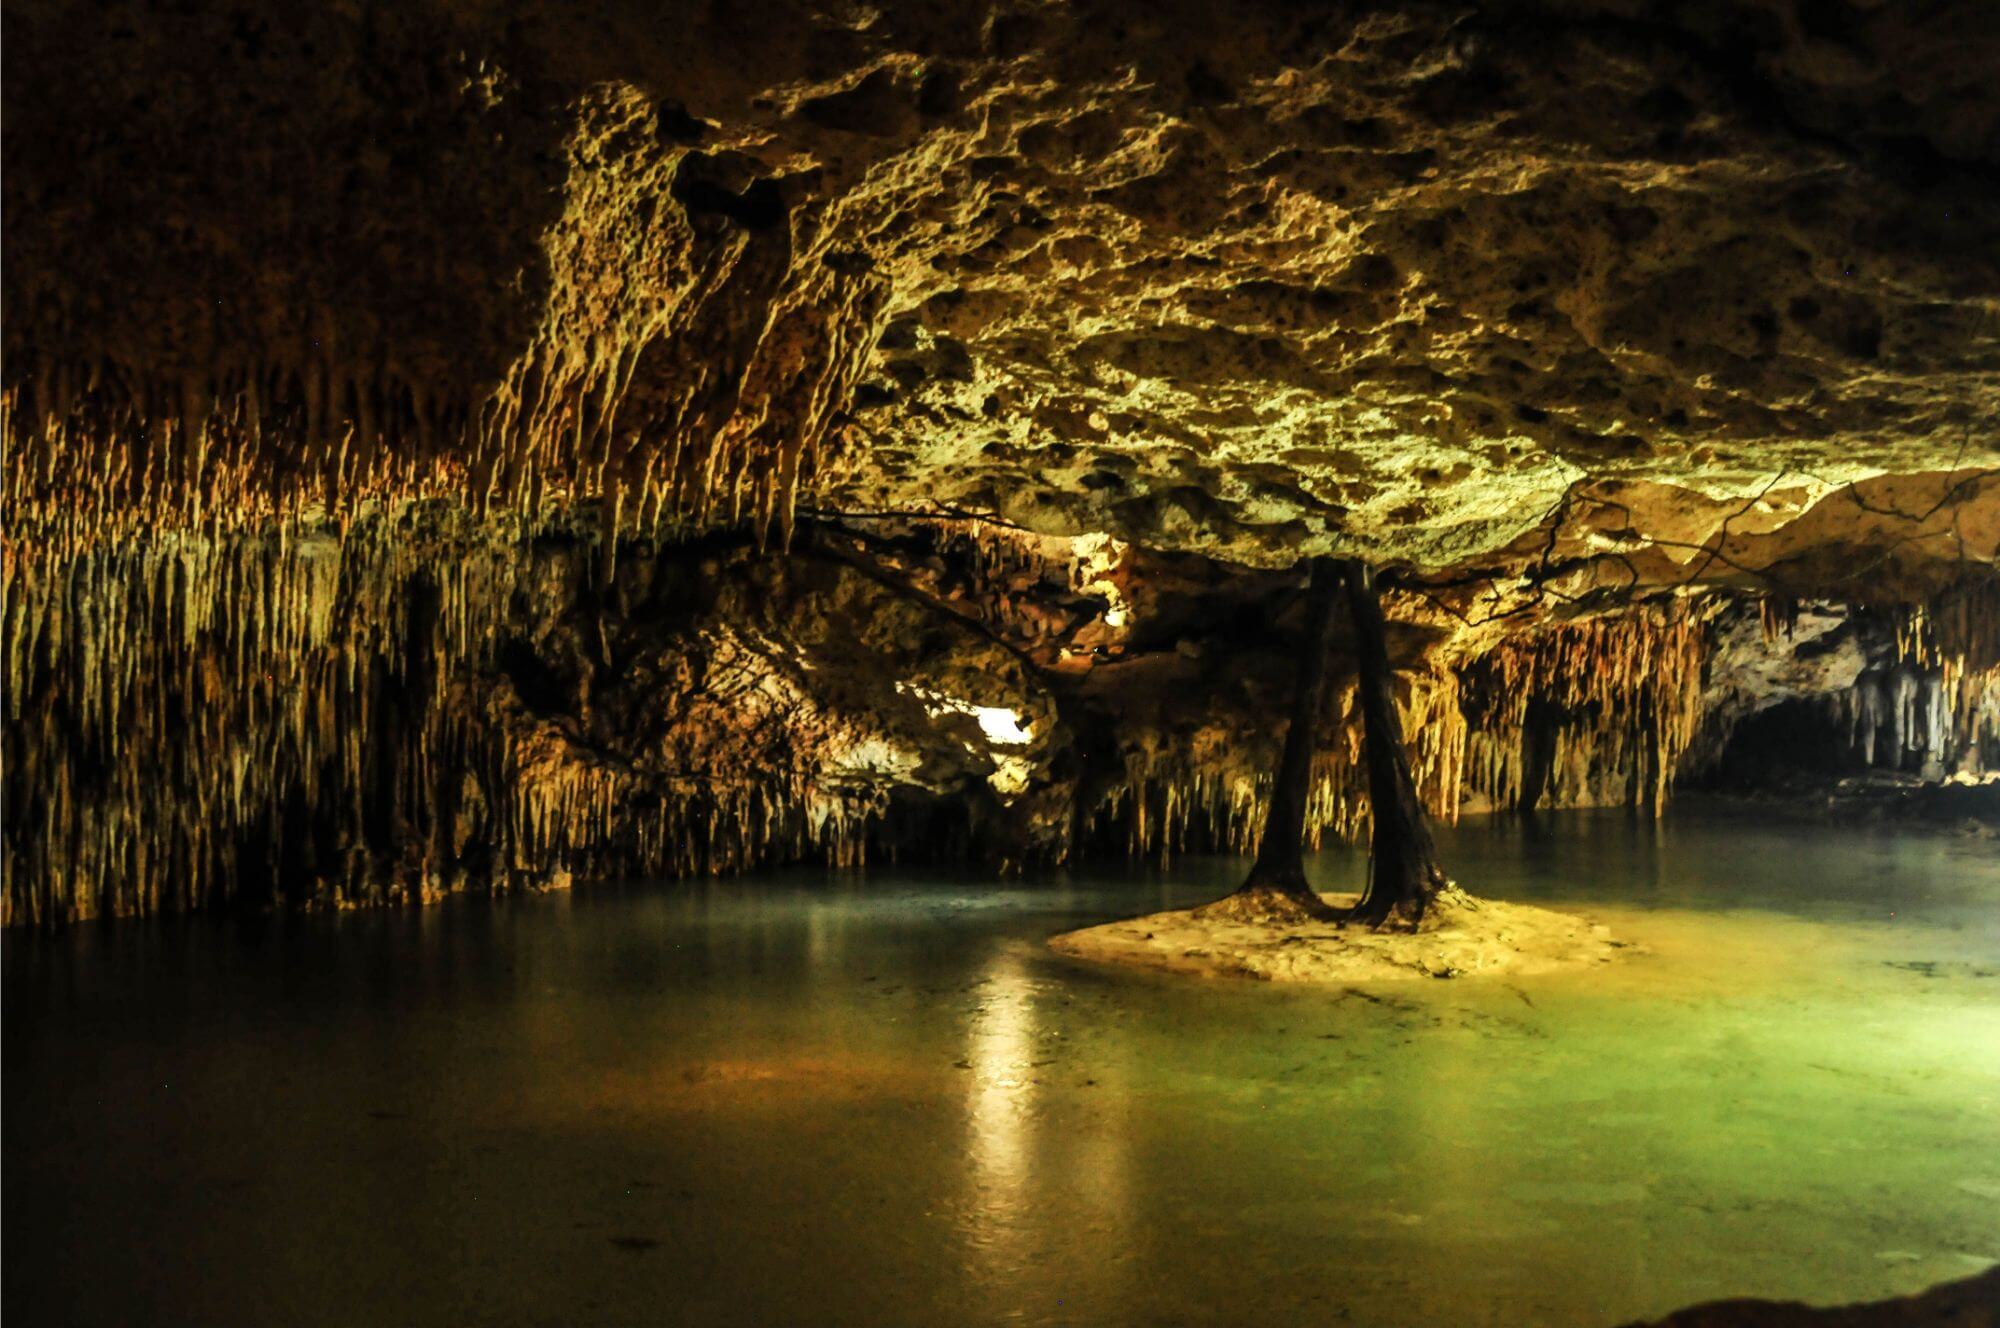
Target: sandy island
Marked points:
1462	936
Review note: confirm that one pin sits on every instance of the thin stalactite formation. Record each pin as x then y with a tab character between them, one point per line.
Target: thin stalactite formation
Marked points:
329	719
176	706
1588	713
597	407
1208	791
1957	634
340	714
1934	705
230	644
1600	712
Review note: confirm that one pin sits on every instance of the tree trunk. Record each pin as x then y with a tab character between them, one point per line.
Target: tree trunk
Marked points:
1276	889
1403	876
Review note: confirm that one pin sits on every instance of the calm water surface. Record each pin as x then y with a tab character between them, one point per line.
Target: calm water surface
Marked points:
877	1099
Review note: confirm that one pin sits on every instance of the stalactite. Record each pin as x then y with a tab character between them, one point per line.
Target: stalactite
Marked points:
1591	712
324	424
211	542
1937	703
1777	617
1614	704
1958	633
318	712
166	696
314	716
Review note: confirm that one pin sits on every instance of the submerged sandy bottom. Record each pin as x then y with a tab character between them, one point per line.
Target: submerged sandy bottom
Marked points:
1463	937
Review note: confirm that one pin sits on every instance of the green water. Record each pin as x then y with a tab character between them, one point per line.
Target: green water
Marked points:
877	1099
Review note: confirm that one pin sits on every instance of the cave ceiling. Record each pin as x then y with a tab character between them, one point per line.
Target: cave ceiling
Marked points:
1651	292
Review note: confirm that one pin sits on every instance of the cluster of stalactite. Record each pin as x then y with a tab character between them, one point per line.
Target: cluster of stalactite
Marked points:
1896	717
1208	791
317	420
186	716
1589	713
318	718
1958	633
1597	712
336	714
591	821
1934	708
91	464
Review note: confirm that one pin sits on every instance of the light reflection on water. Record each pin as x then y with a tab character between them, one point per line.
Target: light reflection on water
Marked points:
999	1125
877	1098
1000	1057
1021	1162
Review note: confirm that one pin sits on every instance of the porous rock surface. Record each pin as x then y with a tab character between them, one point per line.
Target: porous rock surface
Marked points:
1248	279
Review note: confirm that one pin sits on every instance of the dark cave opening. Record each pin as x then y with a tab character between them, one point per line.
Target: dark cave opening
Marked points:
1795	743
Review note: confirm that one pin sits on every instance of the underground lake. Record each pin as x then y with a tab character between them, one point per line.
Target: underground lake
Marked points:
876	1096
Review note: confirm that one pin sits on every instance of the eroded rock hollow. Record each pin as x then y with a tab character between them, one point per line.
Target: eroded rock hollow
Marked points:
483	446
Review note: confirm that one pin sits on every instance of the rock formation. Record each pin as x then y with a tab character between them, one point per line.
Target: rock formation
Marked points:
460	446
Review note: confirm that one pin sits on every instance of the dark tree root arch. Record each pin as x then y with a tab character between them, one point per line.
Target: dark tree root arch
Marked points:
1404	876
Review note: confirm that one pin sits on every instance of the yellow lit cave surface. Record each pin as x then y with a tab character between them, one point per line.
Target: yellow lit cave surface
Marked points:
881	1099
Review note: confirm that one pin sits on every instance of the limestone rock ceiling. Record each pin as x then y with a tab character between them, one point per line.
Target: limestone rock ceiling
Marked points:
1441	284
